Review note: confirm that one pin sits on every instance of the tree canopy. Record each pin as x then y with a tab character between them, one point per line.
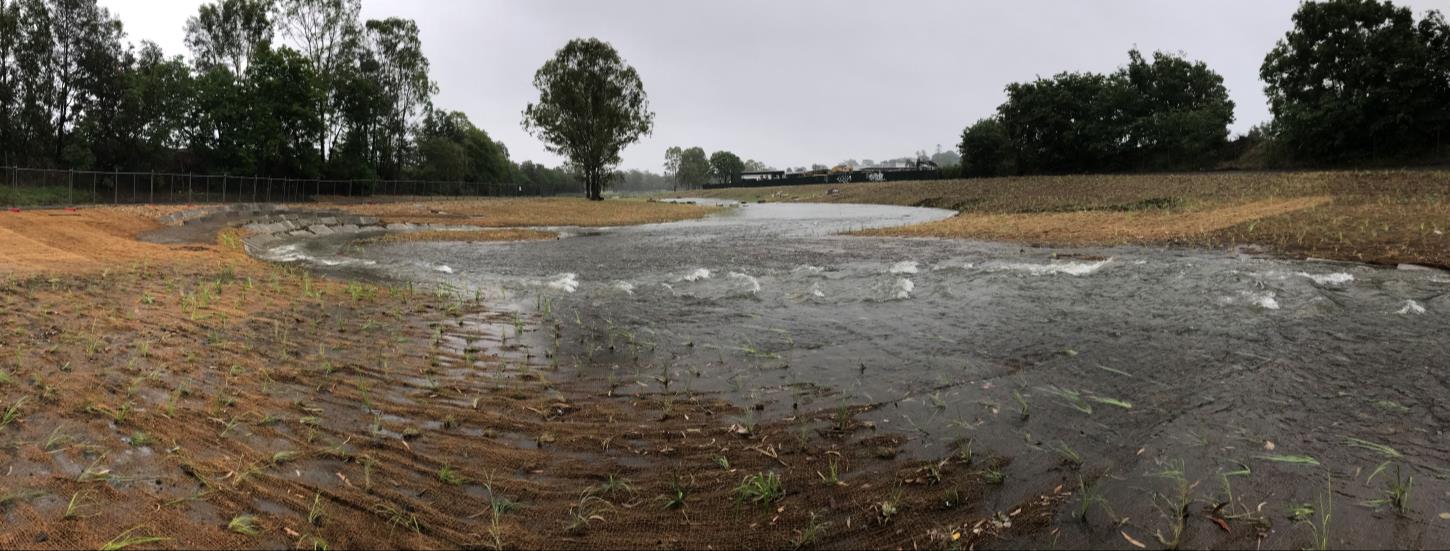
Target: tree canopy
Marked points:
1357	79
280	88
1169	113
591	105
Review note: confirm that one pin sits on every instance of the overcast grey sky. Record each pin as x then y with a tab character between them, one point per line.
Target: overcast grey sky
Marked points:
798	82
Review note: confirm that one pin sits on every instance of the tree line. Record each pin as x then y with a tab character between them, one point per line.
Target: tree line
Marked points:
278	88
1353	81
690	168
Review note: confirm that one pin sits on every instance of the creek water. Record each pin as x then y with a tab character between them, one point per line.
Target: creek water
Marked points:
1268	383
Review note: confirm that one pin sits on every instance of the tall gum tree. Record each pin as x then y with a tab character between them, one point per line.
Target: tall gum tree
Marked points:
591	105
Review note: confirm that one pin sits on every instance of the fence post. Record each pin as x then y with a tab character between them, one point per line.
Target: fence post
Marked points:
116	186
189	201
152	199
71	187
224	189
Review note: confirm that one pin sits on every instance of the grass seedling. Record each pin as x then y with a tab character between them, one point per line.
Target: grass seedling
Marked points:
1381	449
245	525
285	456
1072	398
1291	459
1173	505
612	485
1022	410
1322	511
834	478
1396	492
760	488
125	539
586	511
804	537
73	507
12	412
675	499
316	512
451	477
398	518
1070	457
722	462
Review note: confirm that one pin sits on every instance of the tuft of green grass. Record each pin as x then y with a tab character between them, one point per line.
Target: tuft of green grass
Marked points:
1321	514
805	537
588	510
126	539
760	488
1069	456
612	485
834	478
245	525
675	498
317	511
1396	493
451	477
12	412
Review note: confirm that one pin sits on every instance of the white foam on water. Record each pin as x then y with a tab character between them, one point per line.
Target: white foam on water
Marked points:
285	253
567	282
1263	300
816	291
904	287
808	269
625	286
1337	278
443	268
750	282
1411	307
698	274
1067	268
904	267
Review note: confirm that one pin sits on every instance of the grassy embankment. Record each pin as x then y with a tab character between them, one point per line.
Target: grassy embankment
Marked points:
1379	216
190	396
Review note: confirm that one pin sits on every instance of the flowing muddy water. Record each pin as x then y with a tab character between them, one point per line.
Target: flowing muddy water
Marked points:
1256	391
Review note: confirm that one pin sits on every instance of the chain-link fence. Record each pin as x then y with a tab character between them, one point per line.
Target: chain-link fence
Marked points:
53	187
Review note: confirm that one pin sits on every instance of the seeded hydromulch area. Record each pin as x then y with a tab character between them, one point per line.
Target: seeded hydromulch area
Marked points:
531	211
230	403
1367	216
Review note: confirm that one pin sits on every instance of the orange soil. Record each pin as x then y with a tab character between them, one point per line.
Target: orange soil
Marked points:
51	241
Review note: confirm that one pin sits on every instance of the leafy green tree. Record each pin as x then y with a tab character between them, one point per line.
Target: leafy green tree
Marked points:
451	148
1358	79
672	164
725	167
229	33
395	60
985	149
283	90
219	122
694	167
1068	123
1178	111
329	34
591	105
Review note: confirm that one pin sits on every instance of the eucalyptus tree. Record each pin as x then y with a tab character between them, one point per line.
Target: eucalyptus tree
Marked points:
395	60
229	33
328	34
591	105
